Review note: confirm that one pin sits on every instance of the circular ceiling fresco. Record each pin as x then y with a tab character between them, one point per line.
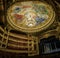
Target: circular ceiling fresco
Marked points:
30	16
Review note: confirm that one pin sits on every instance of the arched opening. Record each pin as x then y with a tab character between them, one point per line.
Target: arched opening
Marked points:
49	45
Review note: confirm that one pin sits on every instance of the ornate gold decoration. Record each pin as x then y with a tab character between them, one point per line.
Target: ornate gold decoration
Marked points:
30	16
17	36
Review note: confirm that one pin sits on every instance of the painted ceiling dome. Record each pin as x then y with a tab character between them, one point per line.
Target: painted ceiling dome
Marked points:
30	16
22	20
